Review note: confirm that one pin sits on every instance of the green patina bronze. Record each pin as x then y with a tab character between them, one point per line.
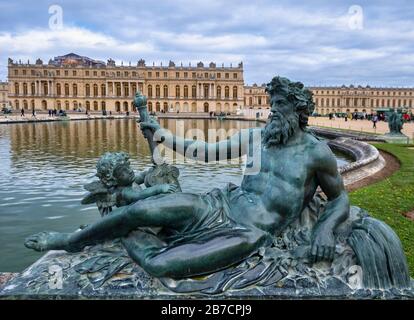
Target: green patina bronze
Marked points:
240	236
395	121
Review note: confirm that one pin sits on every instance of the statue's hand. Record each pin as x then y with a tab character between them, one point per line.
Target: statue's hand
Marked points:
152	124
323	245
167	188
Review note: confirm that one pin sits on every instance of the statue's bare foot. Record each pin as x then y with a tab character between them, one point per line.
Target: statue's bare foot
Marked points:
47	240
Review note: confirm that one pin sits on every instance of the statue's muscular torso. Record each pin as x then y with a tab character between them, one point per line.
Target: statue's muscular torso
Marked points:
287	181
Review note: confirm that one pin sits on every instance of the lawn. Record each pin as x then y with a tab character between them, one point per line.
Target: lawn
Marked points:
389	199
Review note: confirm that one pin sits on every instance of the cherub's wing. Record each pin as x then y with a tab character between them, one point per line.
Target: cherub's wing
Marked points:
99	194
95	186
93	197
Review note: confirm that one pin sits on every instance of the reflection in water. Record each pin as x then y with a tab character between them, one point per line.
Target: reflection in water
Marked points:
44	166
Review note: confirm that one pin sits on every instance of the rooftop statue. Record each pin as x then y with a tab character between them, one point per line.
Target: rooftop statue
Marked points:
273	229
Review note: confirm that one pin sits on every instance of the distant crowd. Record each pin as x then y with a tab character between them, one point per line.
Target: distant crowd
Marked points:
374	117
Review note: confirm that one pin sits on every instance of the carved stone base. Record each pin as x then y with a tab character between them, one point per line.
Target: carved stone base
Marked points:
396	138
106	272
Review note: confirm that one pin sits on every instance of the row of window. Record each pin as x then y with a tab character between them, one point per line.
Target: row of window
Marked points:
96	90
150	74
194	75
327	111
349	102
382	93
96	106
260	100
206	91
66	73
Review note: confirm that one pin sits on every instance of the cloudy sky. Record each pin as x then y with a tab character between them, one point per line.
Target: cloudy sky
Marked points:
317	42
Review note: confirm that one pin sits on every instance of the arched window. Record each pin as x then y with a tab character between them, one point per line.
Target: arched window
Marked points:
185	91
194	91
117	106
88	105
25	89
250	101
95	105
25	105
16	88
67	106
150	106
59	105
58	89
95	90
75	89
218	92
177	91
150	91
157	91
16	104
234	92
165	91
158	107
323	102
33	88
103	105
66	89
103	91
32	104
87	90
226	92
126	106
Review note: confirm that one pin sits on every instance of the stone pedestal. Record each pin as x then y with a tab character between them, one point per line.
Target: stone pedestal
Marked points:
396	138
106	272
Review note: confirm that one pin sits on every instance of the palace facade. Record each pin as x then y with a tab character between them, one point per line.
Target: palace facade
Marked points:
256	97
73	82
4	91
366	99
344	99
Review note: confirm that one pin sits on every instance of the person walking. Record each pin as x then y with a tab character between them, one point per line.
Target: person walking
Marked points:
374	121
22	112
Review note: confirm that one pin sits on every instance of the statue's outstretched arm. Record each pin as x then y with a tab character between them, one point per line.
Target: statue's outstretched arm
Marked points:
234	147
130	196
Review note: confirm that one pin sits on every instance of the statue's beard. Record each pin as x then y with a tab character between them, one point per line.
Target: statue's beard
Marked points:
279	129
